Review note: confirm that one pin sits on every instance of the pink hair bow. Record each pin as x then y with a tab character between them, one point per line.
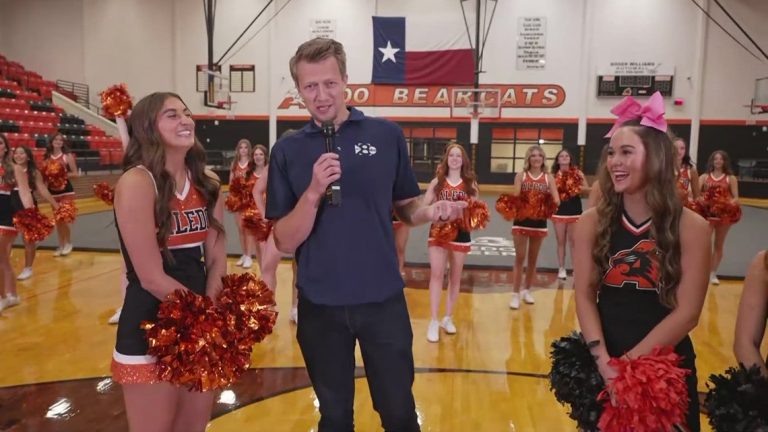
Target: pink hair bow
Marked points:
651	114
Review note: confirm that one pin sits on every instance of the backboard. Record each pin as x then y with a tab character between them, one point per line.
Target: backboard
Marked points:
476	103
759	104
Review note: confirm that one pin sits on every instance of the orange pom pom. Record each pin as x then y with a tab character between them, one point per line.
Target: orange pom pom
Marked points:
248	305
205	346
34	225
256	224
104	192
115	101
66	213
568	184
188	342
240	194
444	232
718	204
508	206
475	216
55	175
540	206
650	394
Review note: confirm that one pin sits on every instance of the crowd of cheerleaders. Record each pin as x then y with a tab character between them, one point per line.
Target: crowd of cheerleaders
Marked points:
540	193
20	178
564	184
713	194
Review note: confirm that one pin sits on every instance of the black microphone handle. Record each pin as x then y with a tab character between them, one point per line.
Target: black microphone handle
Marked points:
333	192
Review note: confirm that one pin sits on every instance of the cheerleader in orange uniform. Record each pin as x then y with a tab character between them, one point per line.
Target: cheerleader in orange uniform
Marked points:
569	210
455	181
528	234
241	167
719	175
57	152
22	157
269	255
686	171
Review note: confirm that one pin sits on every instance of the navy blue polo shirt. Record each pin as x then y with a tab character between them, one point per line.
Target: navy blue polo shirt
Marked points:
349	257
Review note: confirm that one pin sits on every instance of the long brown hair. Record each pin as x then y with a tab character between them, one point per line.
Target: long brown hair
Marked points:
49	146
252	164
6	162
146	147
556	163
467	174
726	162
666	209
31	167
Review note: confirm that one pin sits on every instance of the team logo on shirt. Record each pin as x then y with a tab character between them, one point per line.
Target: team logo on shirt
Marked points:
189	221
637	267
365	149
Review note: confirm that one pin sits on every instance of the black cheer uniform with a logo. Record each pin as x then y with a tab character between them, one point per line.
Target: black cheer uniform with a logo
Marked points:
629	305
189	229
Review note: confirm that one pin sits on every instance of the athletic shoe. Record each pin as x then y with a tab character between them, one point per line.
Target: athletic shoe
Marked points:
447	325
433	331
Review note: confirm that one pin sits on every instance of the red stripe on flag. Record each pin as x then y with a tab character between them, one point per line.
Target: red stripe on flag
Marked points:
440	67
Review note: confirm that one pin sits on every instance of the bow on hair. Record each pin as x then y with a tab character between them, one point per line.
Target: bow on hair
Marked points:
650	114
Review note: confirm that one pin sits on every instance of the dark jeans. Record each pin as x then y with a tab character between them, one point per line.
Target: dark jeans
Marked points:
327	337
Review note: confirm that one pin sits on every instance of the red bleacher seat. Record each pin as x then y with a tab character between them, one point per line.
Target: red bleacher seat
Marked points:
116	157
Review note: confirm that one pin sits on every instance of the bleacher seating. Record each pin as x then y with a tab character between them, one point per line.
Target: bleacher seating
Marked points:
28	117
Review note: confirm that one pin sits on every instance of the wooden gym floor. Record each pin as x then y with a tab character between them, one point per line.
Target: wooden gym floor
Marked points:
56	351
490	376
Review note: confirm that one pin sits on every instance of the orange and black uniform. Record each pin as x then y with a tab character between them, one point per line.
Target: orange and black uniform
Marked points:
449	192
68	192
569	210
7	210
684	181
189	229
533	186
628	301
714	182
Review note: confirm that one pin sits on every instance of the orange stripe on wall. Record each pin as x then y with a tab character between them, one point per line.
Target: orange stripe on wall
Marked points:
537	120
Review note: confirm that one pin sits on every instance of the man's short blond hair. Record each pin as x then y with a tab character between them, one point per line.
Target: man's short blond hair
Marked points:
317	50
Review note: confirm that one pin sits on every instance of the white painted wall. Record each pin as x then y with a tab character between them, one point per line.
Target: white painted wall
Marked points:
730	73
46	36
155	45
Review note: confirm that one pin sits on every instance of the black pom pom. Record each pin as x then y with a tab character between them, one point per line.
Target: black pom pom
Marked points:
737	401
575	381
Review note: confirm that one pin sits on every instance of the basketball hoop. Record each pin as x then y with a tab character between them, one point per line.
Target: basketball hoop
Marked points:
474	103
759	103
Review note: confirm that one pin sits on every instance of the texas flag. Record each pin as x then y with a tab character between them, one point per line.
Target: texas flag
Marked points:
420	52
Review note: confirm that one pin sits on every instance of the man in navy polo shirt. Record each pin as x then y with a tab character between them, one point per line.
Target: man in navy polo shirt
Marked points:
350	288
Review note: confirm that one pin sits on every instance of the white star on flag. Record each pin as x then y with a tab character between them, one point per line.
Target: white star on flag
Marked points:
389	52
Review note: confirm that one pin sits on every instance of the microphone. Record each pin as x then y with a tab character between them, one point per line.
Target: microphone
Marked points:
333	193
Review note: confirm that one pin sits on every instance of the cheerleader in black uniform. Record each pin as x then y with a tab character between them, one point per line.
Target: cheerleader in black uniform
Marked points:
641	258
569	210
753	312
57	151
528	234
122	129
22	157
455	181
168	215
719	175
8	295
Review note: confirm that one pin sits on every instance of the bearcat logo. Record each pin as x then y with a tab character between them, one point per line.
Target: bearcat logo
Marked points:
637	267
